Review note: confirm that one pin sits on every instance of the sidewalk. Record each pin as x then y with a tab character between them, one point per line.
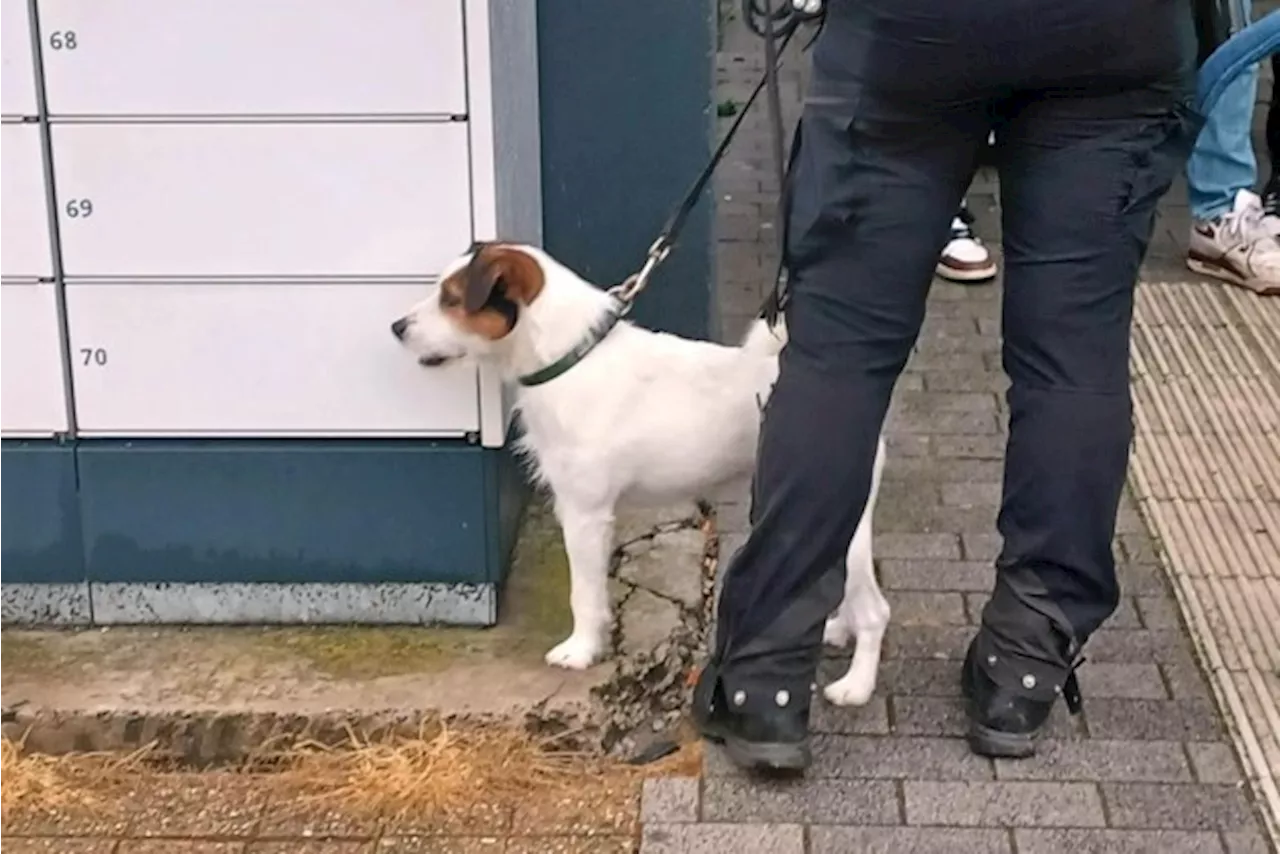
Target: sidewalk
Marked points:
1151	764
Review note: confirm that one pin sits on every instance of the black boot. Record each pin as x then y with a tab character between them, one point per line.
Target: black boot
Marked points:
1005	722
764	731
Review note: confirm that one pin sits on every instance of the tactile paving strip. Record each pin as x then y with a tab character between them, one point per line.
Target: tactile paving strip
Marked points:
1206	472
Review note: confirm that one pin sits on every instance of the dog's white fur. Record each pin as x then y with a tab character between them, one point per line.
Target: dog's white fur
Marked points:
646	417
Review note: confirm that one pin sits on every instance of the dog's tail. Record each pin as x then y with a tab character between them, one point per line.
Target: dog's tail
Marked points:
765	338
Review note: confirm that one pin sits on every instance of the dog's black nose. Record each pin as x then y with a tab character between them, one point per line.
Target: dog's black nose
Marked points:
398	328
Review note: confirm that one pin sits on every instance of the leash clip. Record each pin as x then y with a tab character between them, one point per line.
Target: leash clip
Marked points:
631	287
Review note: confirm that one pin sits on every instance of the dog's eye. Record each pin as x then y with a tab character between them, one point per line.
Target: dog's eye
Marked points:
449	299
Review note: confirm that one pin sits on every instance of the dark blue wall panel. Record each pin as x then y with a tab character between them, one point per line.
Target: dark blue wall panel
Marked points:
41	518
627	124
291	511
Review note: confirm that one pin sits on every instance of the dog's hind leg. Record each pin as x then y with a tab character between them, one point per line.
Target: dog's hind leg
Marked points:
864	612
588	540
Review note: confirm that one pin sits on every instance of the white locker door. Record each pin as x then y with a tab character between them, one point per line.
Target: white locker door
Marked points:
306	200
17	65
255	57
257	360
26	251
34	394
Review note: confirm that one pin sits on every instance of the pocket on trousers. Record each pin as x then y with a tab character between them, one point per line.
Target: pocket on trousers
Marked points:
1158	153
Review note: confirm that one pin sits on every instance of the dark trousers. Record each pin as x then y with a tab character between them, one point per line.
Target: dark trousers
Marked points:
1089	104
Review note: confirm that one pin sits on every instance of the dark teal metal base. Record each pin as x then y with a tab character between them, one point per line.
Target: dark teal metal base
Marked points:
427	520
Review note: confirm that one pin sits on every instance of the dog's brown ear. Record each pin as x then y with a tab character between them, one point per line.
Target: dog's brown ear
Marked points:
516	272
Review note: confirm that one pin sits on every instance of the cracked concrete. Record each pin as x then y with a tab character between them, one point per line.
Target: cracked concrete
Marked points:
209	693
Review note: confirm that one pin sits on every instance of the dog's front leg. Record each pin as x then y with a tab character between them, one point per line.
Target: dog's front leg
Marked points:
588	540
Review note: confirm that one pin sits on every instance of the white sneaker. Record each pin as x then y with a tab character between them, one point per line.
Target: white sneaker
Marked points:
1239	247
965	259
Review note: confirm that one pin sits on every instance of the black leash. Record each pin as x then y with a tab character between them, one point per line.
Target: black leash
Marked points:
788	22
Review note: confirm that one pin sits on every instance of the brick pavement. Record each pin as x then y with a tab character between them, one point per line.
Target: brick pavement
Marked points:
1148	766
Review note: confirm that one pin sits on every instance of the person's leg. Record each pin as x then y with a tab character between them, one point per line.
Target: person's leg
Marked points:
1271	194
1222	161
1231	238
1079	185
873	189
965	258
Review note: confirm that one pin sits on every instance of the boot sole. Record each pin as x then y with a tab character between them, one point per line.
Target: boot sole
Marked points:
761	756
1000	745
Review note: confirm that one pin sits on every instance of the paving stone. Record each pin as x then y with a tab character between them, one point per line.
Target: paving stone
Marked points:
1186	682
1185	807
968	447
1154	720
971	494
945	716
984	547
291	820
920	677
669	800
944	470
1003	804
1214	762
1128	681
926	608
948	575
1246	842
871	719
816	801
897	758
1094	760
918	546
907	840
59	845
1159	612
721	838
44	821
565	845
178	846
213	804
329	846
478	819
940	642
1116	842
427	845
1142	579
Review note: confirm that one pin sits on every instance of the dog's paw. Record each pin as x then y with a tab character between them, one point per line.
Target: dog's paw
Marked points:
576	653
836	633
850	690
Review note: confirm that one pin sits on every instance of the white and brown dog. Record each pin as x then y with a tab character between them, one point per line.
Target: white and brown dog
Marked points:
618	413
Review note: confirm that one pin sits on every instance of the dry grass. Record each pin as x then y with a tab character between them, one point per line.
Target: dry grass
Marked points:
446	769
442	771
81	781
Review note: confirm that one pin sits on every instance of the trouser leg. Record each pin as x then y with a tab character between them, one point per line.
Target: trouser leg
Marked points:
873	194
1079	185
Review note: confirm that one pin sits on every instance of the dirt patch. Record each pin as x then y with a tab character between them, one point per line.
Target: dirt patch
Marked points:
209	695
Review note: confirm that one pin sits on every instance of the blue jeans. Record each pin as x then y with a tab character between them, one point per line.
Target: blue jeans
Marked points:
1222	161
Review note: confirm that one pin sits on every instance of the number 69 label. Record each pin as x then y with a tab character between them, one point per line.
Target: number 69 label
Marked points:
78	208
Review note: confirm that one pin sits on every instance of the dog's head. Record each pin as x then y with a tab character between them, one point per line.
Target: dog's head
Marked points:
476	305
